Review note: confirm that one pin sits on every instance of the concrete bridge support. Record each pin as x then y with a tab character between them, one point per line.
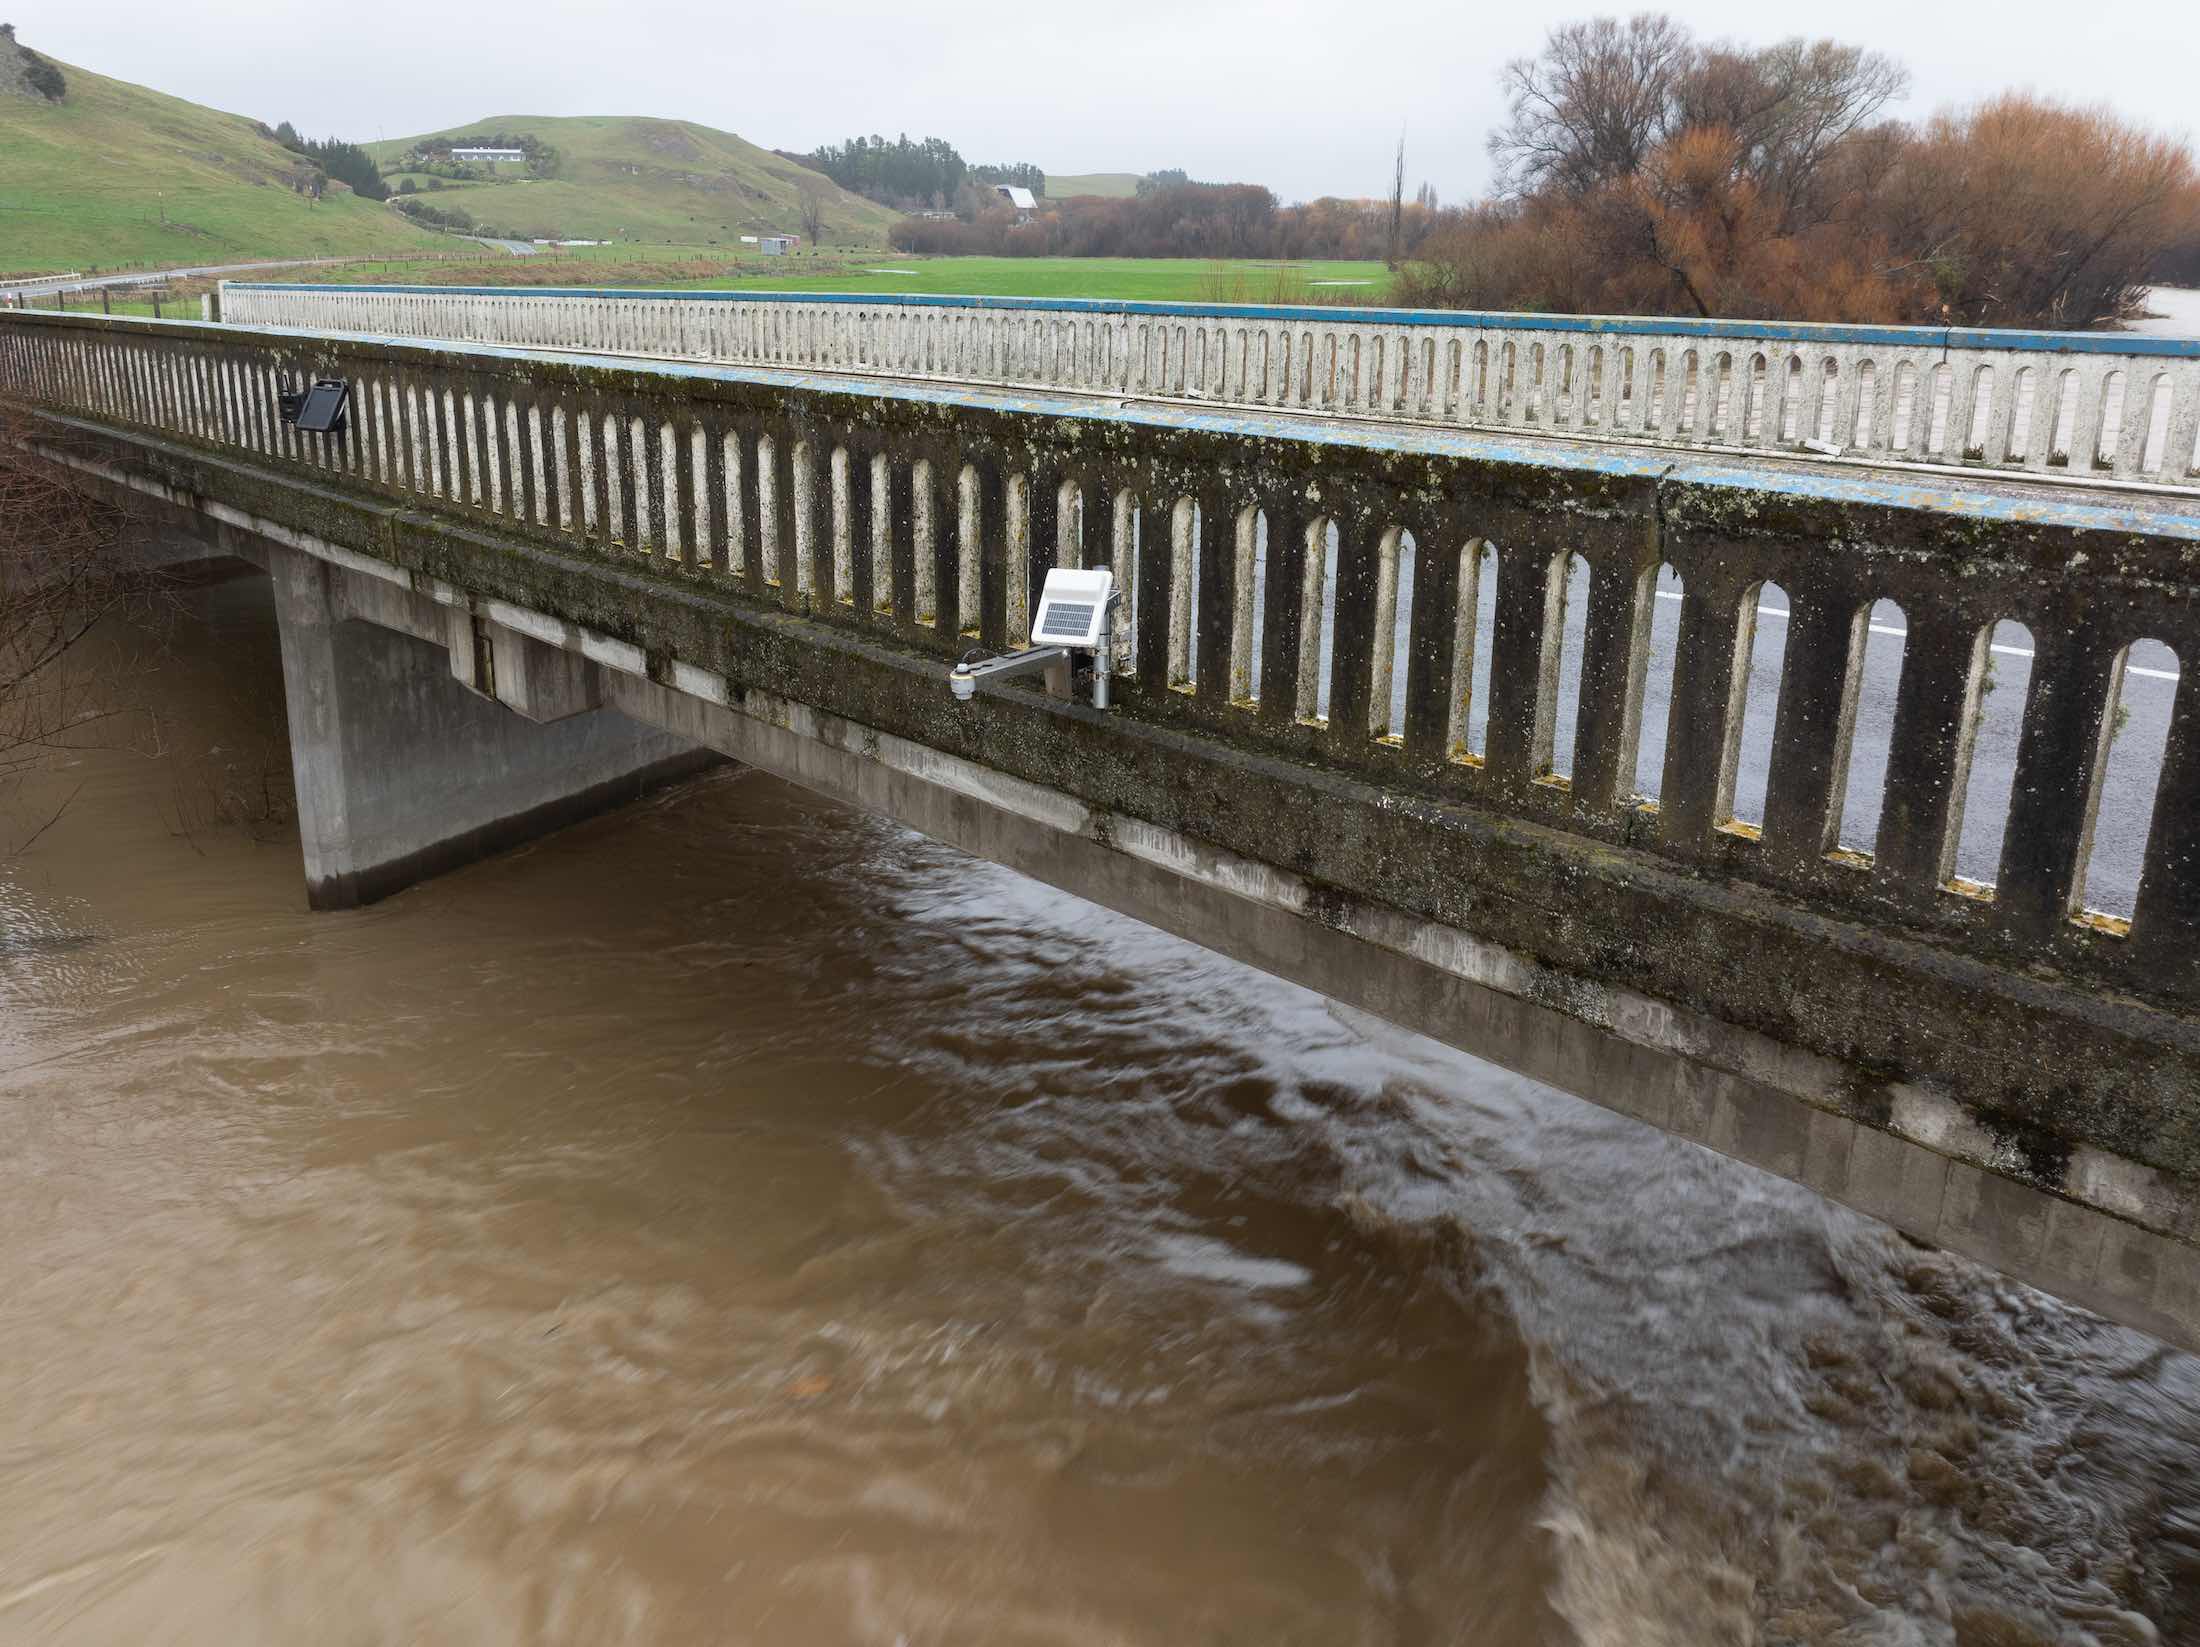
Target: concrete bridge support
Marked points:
402	770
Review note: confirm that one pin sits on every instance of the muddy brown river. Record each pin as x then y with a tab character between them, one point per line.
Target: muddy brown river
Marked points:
738	1220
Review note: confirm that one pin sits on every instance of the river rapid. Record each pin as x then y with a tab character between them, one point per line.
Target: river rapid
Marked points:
739	1220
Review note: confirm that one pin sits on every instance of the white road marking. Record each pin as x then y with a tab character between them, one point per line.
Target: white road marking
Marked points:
1899	634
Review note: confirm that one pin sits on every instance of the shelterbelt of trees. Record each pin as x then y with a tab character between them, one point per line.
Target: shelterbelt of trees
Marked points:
1643	171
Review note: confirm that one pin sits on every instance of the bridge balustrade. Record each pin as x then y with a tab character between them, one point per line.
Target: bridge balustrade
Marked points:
1308	595
2084	406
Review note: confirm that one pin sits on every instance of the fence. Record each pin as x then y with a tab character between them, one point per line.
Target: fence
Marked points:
2054	405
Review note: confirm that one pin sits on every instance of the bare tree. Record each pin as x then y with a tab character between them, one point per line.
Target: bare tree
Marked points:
61	575
1590	106
813	211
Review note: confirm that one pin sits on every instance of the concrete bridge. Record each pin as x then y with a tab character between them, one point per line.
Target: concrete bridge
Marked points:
1382	719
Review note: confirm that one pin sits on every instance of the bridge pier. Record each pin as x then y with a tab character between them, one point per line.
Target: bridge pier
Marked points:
402	771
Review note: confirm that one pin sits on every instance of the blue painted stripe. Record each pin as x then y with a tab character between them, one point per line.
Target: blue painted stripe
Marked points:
1780	331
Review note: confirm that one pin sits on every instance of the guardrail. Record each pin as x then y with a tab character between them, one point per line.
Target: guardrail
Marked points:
40	279
2055	405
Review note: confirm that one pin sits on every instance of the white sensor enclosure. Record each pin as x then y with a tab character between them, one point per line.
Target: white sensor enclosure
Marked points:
1073	608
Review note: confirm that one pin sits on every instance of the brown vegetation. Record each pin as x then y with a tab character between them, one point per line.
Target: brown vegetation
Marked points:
1645	172
61	575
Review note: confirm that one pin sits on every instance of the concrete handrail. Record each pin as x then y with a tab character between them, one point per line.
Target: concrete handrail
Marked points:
2077	405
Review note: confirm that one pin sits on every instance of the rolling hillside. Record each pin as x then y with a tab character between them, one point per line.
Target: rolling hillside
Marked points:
634	179
1107	185
118	173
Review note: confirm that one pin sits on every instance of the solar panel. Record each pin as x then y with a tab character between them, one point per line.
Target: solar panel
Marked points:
323	410
1067	620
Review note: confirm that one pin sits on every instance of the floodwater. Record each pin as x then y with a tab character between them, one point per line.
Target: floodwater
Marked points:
737	1220
2172	311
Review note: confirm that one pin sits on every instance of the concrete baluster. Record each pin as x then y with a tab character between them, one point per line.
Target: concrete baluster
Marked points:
1429	653
1716	624
2062	752
1615	655
1216	620
1523	656
2165	926
1929	753
1821	671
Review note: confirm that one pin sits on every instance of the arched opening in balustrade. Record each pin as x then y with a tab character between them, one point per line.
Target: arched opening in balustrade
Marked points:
1565	636
2005	688
2101	442
1869	387
2063	413
1246	617
1531	409
1763	618
1390	657
1467	728
1824	412
2134	737
1938	386
1016	573
674	438
1623	400
1130	526
1971	446
1478	379
484	448
563	466
1663	639
610	473
1596	389
2154	448
1727	397
1905	421
803	561
882	537
1069	525
1871	727
925	584
1508	381
1757	384
1183	593
1689	389
842	526
969	552
1317	618
2023	398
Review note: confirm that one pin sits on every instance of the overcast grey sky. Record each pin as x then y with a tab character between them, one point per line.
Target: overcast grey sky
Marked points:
1307	96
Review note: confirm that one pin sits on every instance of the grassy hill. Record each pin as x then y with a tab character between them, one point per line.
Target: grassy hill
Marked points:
1108	185
118	174
633	179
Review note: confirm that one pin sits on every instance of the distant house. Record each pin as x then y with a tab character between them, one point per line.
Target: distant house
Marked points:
1022	199
777	245
490	155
